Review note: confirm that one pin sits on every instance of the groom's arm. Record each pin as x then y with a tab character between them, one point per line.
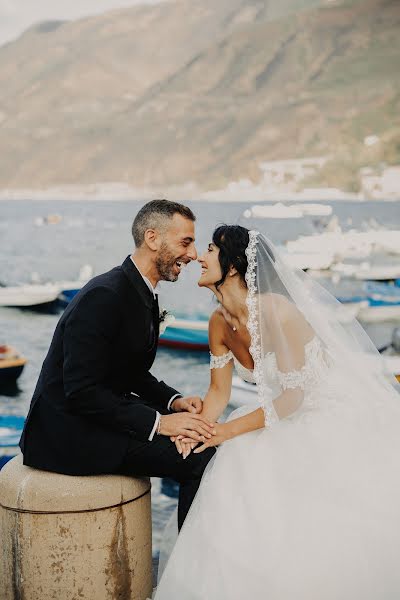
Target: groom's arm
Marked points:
159	394
89	335
156	392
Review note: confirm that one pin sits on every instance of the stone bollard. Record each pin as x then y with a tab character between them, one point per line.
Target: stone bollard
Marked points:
73	538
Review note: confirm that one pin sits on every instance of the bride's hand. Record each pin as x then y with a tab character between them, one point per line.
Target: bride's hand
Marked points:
184	445
223	433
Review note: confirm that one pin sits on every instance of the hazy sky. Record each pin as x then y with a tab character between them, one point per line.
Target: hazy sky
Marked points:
18	15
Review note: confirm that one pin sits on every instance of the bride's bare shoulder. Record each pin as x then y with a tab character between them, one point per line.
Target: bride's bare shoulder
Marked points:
217	320
217	326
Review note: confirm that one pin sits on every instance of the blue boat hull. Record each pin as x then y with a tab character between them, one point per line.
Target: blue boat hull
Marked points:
10	374
5	458
187	339
66	296
10	432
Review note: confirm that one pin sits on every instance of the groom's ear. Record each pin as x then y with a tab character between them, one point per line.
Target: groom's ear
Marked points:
151	238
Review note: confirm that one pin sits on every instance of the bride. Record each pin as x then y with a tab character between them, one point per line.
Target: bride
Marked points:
302	499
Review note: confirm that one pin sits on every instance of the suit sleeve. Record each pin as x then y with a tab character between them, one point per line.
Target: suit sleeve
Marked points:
156	392
89	334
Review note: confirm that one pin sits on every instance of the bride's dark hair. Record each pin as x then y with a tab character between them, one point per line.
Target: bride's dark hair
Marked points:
232	241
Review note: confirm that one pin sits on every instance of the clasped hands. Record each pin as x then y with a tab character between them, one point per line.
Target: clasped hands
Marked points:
187	427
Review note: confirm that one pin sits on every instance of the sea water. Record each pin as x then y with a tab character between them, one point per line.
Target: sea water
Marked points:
98	233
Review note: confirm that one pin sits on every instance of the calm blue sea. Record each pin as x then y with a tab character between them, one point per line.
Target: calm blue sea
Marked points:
98	233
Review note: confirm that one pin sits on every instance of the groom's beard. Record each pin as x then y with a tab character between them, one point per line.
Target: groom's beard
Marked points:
165	264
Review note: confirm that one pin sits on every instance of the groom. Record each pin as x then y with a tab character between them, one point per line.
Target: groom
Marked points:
96	407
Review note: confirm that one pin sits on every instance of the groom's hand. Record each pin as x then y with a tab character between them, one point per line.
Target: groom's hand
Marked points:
192	404
188	425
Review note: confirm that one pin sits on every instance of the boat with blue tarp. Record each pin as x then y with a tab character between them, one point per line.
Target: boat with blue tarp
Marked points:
186	334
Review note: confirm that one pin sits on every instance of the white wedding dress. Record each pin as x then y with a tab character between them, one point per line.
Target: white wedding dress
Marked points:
307	508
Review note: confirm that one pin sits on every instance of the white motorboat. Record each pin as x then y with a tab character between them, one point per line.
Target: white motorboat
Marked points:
287	211
314	261
41	294
366	271
273	211
348	244
29	294
315	210
379	313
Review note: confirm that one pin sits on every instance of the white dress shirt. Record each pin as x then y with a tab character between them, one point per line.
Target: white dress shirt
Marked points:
158	416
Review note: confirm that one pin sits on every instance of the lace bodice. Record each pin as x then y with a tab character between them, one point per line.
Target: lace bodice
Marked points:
308	376
246	374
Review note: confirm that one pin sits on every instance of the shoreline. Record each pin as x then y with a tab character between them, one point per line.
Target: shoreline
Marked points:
110	192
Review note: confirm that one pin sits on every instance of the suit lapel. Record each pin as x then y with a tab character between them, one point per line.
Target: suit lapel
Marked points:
156	317
138	282
136	279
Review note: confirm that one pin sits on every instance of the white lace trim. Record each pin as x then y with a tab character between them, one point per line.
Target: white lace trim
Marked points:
253	328
310	374
218	362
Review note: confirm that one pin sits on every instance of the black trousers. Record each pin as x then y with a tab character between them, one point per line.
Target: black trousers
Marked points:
160	458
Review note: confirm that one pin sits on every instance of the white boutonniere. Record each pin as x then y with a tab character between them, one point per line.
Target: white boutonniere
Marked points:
166	319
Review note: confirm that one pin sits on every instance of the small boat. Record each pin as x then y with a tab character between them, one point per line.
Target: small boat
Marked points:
29	295
349	244
315	210
384	292
368	310
186	334
48	220
11	427
11	364
391	353
315	261
44	295
367	272
69	289
288	211
379	312
273	211
383	302
65	297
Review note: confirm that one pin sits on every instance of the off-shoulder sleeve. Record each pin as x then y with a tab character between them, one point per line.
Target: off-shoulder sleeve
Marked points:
218	362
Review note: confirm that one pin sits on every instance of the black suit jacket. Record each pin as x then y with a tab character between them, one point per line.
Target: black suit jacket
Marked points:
83	416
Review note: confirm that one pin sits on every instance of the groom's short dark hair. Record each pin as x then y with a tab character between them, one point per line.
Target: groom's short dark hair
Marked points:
154	214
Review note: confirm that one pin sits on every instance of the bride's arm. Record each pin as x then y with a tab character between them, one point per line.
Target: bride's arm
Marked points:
226	431
219	393
288	343
219	390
